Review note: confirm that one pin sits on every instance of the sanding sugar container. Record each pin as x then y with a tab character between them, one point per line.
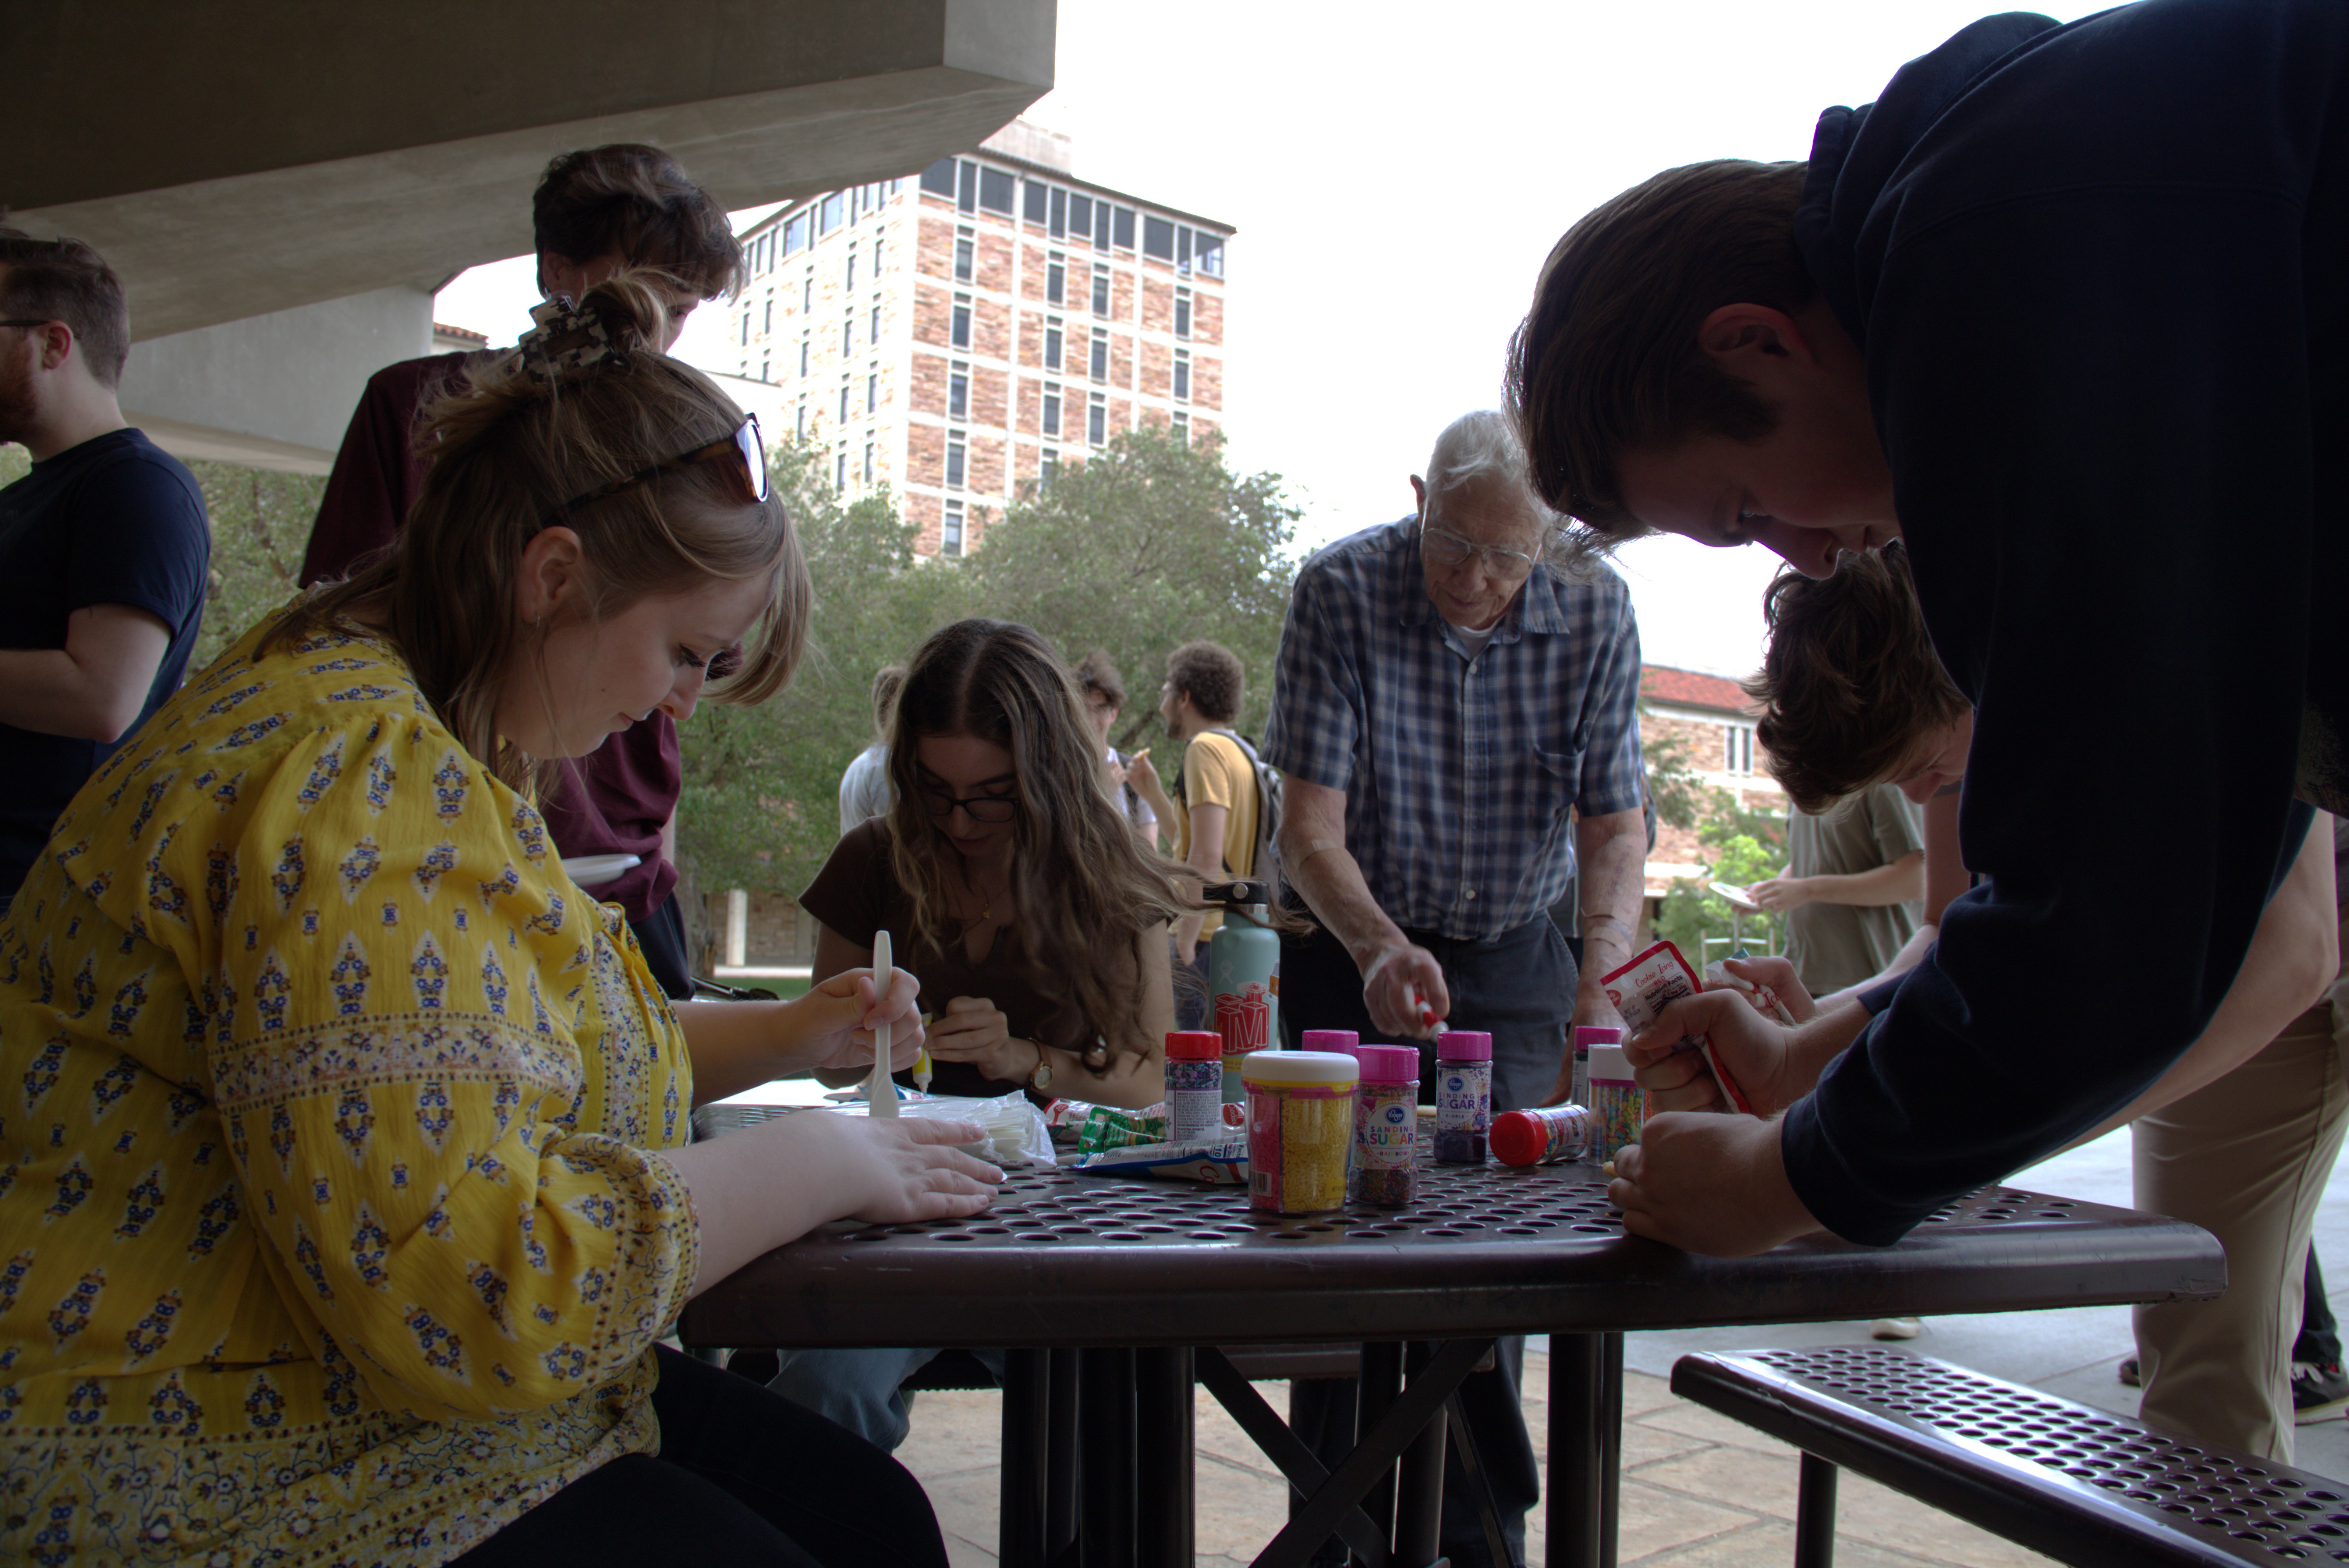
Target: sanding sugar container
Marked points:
1618	1104
1547	1135
1464	1095
1301	1125
1585	1036
1195	1086
1328	1040
1386	1126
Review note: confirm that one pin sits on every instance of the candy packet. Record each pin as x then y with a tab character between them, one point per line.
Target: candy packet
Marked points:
1223	1164
1651	982
1766	1001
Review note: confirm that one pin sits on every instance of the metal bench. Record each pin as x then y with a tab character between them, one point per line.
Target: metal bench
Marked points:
2079	1484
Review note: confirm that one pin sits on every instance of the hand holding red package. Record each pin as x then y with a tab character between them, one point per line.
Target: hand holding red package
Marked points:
1653	980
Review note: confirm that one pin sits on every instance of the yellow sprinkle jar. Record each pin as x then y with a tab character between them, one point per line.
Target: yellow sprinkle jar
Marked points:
1300	1123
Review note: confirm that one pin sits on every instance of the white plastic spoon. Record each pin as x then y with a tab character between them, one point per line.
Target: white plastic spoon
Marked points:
880	1092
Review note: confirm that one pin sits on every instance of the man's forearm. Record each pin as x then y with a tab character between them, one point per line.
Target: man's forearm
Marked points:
44	691
1332	883
1612	851
1900	883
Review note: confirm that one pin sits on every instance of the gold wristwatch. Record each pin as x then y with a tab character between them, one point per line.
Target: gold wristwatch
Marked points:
1040	1079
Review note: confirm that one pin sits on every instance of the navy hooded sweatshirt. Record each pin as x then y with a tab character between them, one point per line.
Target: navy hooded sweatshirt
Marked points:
2097	273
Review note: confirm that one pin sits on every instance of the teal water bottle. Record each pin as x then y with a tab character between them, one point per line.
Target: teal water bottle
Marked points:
1243	987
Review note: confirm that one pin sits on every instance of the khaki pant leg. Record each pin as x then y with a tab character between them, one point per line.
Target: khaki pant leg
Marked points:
2247	1158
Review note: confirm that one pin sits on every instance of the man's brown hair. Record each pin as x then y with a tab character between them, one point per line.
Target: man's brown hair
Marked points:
1097	673
65	280
637	202
887	681
1212	676
1850	685
1608	360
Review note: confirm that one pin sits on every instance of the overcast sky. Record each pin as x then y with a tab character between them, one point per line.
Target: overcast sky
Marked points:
1396	189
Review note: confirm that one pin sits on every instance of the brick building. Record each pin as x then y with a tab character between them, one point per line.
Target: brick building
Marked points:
1715	721
959	335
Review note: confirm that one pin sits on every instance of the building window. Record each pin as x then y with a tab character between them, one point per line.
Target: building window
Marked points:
959	391
961	339
1051	424
1037	200
1158	239
1207	253
1056	282
799	430
1124	230
955	454
876	256
875	336
965	256
938	179
1182	376
766	369
848	334
1181	425
1051	342
872	392
770	325
1182	313
844	399
1098	367
840	471
1097	420
1080	216
995	190
746	327
828	214
1101	291
950	532
804	354
966	185
795	234
868	462
807	294
1048	468
850	283
1739	748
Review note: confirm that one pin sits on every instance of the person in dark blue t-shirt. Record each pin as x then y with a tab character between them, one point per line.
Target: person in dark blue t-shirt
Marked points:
105	552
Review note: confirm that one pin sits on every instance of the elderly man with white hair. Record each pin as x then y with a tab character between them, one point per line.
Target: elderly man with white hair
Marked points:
1455	715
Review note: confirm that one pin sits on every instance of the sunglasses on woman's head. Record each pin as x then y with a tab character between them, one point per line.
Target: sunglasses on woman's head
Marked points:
742	450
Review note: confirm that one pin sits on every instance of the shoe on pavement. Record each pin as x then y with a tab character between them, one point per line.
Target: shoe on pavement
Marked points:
1903	1328
2131	1373
2319	1392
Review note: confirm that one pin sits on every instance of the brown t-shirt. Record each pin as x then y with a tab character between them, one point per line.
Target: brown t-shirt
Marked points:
857	894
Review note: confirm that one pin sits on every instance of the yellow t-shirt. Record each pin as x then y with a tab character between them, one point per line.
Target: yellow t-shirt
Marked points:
1216	772
333	1219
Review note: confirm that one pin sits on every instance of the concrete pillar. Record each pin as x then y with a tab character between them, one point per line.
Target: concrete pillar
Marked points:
738	927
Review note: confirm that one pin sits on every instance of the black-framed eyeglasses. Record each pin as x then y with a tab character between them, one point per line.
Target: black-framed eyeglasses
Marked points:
1449	550
742	448
42	322
982	808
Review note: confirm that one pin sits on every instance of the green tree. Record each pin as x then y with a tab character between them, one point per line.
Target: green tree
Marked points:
1150	542
759	804
1742	846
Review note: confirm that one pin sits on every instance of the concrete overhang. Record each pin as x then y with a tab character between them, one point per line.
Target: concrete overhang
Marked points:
237	160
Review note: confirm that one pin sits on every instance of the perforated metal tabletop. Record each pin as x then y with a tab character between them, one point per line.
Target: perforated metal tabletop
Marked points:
1066	1259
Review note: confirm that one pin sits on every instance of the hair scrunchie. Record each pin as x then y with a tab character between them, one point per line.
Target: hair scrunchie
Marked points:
567	339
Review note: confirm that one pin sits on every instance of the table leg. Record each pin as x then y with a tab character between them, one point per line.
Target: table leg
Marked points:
1164	1450
1105	1390
1027	1382
1060	1463
1576	1513
1419	1485
1610	1445
1381	1385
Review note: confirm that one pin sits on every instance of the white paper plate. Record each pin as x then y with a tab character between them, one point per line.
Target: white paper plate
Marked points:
1739	897
595	871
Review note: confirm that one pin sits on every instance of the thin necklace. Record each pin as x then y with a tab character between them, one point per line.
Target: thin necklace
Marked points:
987	901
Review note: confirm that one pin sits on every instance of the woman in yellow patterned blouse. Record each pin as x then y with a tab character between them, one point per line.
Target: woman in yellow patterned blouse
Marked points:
343	1185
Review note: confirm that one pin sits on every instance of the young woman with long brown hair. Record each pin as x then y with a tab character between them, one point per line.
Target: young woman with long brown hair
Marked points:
1012	886
352	1197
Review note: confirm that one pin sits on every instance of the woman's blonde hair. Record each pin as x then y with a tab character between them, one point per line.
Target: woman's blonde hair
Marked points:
1084	886
507	450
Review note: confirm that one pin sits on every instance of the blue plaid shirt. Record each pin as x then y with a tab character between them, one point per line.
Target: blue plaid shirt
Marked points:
1458	772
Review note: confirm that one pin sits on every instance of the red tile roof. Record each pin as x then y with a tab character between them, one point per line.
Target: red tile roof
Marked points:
1692	690
440	329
